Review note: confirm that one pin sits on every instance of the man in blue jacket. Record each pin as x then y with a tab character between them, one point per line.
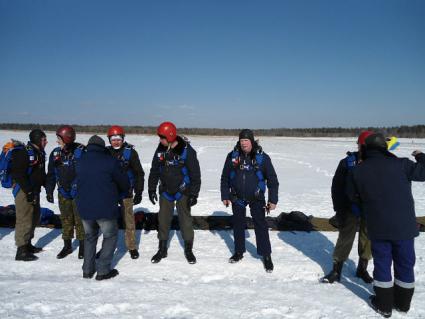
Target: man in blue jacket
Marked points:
381	185
100	181
246	172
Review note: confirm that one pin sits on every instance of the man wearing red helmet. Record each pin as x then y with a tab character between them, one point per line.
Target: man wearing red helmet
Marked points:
129	159
176	168
61	172
347	219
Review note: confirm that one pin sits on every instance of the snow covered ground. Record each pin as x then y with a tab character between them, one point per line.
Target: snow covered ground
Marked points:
305	167
213	288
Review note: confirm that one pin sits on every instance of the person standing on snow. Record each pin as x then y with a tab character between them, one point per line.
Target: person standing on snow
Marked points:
348	217
129	159
246	172
176	168
381	186
61	171
100	181
29	175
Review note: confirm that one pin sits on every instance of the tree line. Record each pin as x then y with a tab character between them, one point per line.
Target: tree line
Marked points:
414	131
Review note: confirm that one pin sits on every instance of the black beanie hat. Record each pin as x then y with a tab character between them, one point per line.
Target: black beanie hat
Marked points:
376	141
36	135
247	134
97	140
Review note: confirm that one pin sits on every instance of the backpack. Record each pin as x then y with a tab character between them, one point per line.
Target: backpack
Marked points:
294	220
6	160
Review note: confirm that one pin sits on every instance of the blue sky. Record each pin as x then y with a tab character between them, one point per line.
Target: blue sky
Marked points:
258	64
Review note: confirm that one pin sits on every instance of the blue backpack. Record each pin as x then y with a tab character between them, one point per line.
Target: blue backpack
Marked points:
6	160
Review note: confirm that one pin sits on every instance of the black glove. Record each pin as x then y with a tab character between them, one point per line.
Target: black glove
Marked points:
192	200
137	198
50	198
153	197
30	197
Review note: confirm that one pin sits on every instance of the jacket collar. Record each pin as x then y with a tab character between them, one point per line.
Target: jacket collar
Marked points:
178	150
95	148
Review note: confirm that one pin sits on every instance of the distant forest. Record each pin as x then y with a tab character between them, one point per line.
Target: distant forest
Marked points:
415	131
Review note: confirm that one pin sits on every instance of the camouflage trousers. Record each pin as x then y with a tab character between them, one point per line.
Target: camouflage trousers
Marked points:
129	223
27	218
346	236
70	219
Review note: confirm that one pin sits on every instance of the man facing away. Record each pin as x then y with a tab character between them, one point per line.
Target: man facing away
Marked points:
100	181
349	218
382	186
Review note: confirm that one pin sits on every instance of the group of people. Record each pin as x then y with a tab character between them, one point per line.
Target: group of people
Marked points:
96	183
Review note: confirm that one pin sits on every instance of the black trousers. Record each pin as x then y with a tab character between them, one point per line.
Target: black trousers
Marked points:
258	214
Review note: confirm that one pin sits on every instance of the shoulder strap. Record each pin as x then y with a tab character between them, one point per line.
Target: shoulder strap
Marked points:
127	153
351	160
78	152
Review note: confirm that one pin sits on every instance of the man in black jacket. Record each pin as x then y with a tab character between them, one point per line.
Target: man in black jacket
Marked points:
349	218
61	171
29	175
381	186
246	172
176	167
129	159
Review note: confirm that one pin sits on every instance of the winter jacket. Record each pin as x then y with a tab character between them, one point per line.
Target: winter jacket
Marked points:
20	164
61	168
100	180
133	165
381	185
171	177
340	200
245	183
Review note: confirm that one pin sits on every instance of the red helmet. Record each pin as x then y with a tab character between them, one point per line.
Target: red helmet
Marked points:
363	136
116	130
167	130
66	133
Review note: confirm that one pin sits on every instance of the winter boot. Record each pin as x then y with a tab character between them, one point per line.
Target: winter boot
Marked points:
402	298
113	273
362	271
334	275
162	252
382	302
23	254
88	275
134	253
236	258
66	250
81	249
268	264
33	249
190	257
